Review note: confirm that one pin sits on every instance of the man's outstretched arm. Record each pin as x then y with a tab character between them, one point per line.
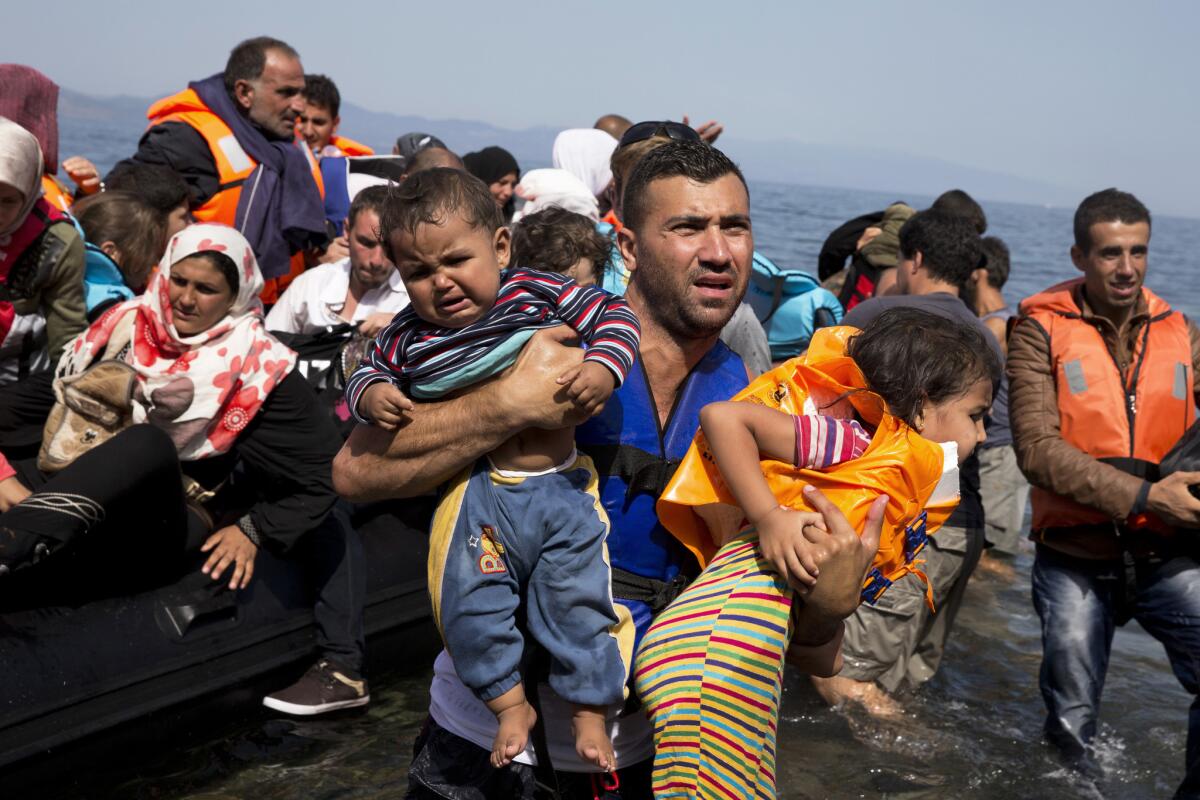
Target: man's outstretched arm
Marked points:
441	438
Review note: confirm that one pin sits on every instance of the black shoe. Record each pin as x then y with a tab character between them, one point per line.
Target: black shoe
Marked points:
325	687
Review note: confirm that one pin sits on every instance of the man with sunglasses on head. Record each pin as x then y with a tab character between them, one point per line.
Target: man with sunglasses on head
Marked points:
743	334
688	243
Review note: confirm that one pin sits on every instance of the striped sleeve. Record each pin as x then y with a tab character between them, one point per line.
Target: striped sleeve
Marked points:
382	362
824	441
605	321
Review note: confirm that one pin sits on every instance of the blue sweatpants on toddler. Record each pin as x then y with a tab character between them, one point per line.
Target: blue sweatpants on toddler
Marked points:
501	539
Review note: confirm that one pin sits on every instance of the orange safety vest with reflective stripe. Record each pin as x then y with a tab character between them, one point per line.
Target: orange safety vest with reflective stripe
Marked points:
234	166
698	509
350	147
55	193
1130	421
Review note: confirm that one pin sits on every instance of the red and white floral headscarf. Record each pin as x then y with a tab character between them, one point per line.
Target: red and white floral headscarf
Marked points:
202	390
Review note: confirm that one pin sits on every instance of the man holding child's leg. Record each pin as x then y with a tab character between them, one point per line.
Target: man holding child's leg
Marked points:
688	244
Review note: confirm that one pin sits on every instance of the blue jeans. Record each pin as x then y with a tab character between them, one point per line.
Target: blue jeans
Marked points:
1080	603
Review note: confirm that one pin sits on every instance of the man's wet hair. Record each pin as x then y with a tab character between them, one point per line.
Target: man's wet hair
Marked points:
914	359
996	253
956	201
948	244
156	185
137	229
431	197
1108	205
320	90
695	161
434	156
372	198
247	60
555	240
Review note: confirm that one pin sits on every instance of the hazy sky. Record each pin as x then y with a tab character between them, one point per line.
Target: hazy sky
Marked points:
1079	94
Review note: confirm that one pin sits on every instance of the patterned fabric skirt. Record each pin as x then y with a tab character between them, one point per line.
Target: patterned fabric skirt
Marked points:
709	673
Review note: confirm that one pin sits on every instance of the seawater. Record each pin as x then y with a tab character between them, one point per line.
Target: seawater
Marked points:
975	729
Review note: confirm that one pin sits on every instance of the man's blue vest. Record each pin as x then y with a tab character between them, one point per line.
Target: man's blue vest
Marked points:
635	457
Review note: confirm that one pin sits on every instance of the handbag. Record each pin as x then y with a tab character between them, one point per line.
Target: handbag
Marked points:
90	408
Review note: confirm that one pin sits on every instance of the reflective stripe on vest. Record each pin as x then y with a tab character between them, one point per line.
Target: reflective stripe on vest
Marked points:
55	193
1130	420
232	161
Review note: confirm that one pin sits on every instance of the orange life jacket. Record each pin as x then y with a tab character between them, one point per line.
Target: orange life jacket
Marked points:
55	193
234	166
1128	421
350	147
899	462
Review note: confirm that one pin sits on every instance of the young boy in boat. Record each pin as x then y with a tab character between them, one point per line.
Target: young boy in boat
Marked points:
518	539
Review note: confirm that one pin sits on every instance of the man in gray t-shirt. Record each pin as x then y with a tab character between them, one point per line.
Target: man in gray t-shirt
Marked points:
898	641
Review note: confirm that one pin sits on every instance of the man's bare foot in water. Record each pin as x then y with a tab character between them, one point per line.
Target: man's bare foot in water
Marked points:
837	690
997	566
592	742
516	718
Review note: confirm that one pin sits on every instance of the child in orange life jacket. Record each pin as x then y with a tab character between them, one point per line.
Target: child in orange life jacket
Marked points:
928	370
709	669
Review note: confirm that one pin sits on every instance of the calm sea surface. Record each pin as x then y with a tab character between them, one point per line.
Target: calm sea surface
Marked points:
973	730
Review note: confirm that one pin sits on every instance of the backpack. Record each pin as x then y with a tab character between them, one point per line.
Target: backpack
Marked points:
791	305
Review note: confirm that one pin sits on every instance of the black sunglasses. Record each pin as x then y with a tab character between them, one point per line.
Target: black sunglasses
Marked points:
648	130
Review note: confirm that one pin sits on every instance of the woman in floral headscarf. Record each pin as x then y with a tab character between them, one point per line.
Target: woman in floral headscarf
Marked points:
214	389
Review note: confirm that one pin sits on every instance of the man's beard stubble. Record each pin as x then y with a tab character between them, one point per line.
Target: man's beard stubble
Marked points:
675	311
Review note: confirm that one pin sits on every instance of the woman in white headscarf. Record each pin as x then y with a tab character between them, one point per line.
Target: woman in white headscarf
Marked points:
585	153
546	188
214	390
41	263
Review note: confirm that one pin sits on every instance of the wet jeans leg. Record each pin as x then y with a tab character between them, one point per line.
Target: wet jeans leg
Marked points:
338	567
1168	607
1074	599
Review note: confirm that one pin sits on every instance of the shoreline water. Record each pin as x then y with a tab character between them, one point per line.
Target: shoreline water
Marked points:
975	728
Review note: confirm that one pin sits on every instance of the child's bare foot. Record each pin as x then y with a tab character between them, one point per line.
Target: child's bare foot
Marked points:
591	737
515	724
874	700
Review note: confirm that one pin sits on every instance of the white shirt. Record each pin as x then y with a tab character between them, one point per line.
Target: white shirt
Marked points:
456	708
315	299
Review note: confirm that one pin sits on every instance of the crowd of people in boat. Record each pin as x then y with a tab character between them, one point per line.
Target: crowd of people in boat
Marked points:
665	466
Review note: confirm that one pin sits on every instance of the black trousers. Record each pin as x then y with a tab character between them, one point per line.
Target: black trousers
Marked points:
337	570
120	507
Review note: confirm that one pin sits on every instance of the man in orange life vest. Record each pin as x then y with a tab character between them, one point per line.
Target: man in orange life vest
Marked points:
320	117
231	137
1101	375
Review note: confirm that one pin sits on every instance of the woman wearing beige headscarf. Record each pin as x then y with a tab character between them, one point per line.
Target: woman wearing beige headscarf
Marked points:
41	263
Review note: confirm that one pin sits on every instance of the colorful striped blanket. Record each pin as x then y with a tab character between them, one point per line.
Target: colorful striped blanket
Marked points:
709	674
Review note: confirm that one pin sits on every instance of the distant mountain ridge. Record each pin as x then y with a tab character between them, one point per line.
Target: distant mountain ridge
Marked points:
106	129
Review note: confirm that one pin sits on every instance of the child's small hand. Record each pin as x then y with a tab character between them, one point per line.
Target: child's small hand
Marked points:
589	386
384	405
784	543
